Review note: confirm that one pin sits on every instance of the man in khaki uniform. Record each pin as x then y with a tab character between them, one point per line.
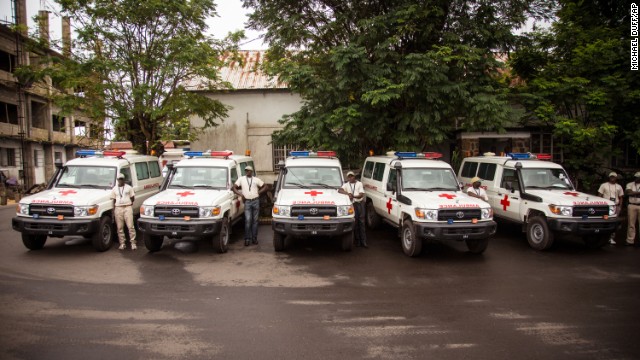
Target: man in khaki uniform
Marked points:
123	195
613	191
633	211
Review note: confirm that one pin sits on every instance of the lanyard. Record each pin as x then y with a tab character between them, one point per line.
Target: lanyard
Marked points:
249	183
121	191
477	191
353	188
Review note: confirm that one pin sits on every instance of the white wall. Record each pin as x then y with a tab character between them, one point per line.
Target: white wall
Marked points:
249	125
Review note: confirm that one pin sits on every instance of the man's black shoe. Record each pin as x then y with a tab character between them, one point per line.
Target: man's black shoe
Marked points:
246	243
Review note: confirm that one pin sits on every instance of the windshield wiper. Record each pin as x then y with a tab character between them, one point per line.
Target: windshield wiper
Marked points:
179	186
297	184
65	185
442	189
206	186
92	186
413	189
326	186
537	187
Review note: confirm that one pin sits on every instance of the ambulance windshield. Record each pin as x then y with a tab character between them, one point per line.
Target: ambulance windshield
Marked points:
423	179
309	177
199	177
90	177
546	179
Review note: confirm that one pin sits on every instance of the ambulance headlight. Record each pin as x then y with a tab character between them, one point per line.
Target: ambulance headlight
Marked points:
561	210
147	210
345	210
487	213
23	209
208	211
426	214
612	210
79	211
281	210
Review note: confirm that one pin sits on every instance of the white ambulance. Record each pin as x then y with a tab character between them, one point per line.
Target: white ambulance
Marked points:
78	197
307	201
196	200
419	195
539	195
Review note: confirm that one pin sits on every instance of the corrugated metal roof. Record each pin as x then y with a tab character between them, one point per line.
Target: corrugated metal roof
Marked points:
244	74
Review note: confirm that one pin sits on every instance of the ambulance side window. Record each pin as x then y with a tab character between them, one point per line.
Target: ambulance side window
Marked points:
234	176
391	181
127	175
154	169
487	171
509	176
368	170
142	170
469	169
378	172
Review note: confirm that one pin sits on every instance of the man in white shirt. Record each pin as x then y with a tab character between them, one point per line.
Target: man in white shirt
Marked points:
123	195
355	190
613	191
633	210
249	188
476	191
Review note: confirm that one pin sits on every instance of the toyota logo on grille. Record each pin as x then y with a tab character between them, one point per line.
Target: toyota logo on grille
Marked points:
175	211
460	214
51	210
313	211
592	211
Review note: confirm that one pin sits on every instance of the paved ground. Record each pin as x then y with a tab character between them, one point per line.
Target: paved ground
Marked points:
316	302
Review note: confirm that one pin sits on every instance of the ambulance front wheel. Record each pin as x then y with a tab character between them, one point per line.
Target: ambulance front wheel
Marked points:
221	239
538	234
477	246
153	243
411	244
105	235
34	242
373	219
347	241
278	241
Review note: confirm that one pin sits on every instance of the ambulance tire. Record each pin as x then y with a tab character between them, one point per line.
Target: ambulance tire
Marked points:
411	244
477	246
539	236
221	239
103	238
34	242
373	219
153	243
278	241
595	242
347	241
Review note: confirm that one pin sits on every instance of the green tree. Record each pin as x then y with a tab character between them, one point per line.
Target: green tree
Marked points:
132	59
389	74
577	80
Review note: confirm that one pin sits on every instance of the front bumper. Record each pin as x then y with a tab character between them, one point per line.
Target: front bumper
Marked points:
55	227
455	231
584	227
312	227
179	228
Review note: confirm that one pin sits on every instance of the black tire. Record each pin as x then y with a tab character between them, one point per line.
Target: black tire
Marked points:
347	241
278	241
372	218
538	234
153	243
221	239
103	238
34	242
477	246
411	245
596	241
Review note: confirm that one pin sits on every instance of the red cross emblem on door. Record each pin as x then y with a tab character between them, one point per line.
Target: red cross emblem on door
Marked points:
67	192
505	202
389	206
448	196
185	193
571	193
313	192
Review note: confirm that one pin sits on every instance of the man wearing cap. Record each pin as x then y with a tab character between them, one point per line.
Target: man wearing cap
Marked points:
476	191
613	191
355	190
122	195
249	188
633	211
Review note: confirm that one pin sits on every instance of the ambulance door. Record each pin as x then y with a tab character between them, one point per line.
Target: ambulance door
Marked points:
391	205
506	202
237	207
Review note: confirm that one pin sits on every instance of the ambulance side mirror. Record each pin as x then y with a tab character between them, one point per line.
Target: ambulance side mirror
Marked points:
509	186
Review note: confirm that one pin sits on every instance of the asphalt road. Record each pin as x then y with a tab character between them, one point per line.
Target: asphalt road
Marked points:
316	302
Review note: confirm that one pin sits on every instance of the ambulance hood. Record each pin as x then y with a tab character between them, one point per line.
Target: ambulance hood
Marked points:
69	196
569	198
443	200
312	197
189	197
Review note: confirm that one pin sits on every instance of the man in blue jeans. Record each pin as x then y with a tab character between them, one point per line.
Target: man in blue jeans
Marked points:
249	188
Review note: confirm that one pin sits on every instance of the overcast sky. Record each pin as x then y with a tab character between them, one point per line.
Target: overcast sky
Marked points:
231	17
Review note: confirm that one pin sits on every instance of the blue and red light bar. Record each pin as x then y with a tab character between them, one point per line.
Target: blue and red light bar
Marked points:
223	154
85	153
413	154
543	156
527	156
306	153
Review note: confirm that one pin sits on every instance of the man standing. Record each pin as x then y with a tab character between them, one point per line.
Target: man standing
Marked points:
633	211
476	191
249	188
355	190
613	191
122	195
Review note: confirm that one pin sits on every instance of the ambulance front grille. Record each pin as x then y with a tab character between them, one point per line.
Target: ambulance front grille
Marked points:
312	211
176	211
51	210
590	210
459	214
